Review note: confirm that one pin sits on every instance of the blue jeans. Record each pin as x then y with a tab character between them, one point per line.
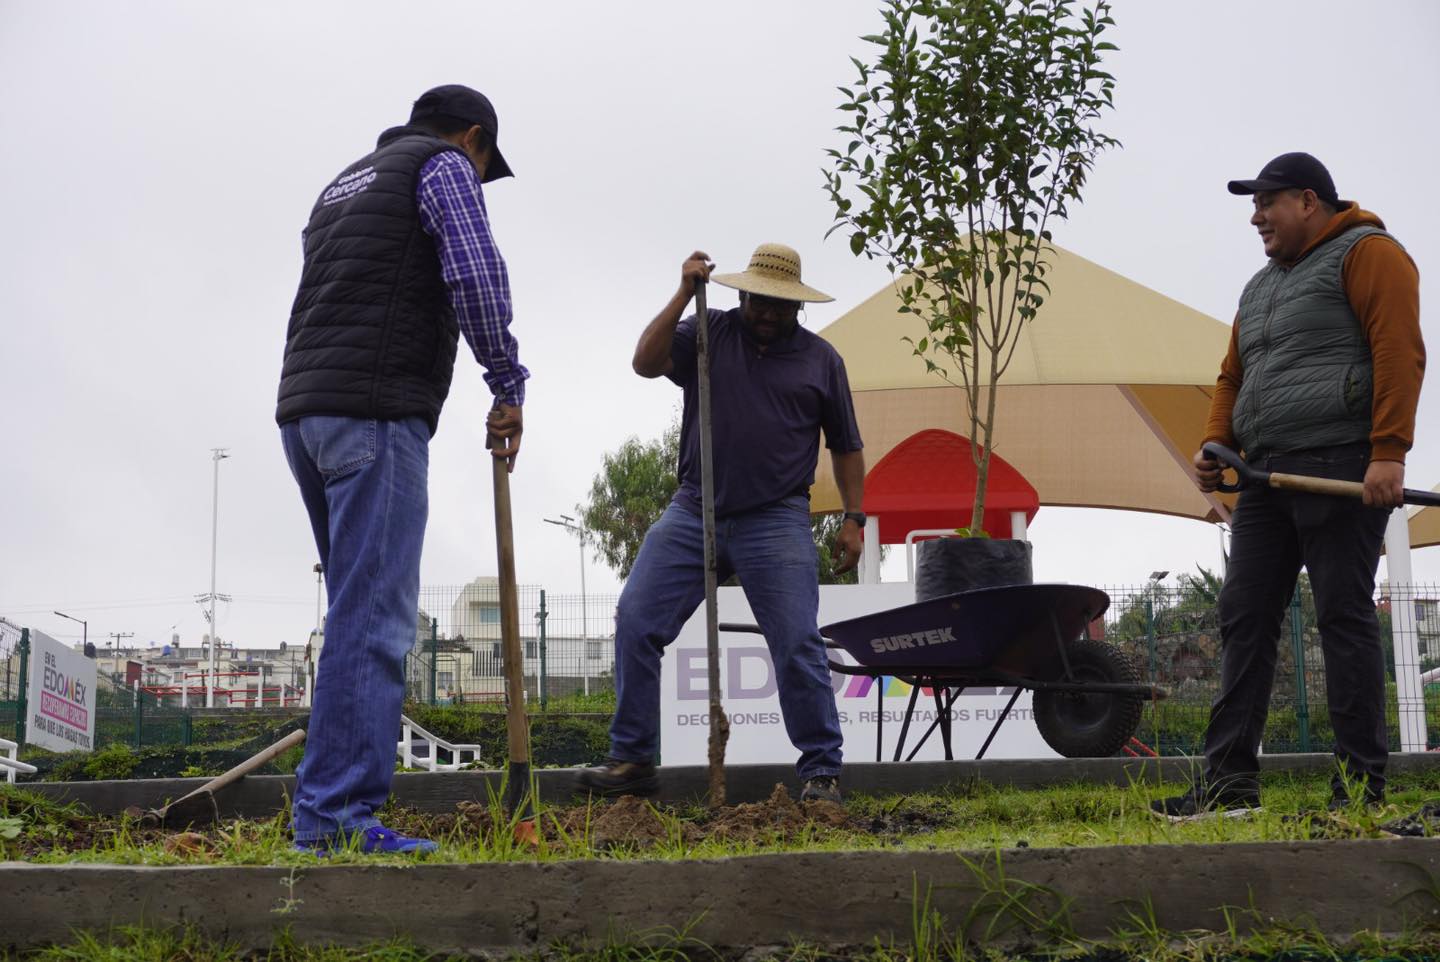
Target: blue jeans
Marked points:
772	551
364	483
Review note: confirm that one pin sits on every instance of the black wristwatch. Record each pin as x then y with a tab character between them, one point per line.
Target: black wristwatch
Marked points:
856	516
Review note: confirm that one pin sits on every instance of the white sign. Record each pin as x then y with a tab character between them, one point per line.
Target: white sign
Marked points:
61	697
748	693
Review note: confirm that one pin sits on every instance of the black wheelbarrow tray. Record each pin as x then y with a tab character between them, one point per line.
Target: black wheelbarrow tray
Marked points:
1088	694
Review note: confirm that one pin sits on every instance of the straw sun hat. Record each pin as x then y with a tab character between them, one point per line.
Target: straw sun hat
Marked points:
774	271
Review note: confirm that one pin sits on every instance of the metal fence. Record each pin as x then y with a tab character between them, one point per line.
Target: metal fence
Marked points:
1171	629
567	645
141	725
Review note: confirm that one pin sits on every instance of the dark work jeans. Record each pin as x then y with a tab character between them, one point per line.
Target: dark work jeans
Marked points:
1338	540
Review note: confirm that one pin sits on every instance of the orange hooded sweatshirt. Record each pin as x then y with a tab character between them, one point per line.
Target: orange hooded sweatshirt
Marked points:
1383	287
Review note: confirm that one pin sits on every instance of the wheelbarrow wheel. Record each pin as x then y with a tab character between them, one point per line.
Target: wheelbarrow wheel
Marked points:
1091	724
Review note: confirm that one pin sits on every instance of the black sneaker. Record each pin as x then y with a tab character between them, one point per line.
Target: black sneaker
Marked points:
1340	801
821	788
616	777
1200	803
1422	824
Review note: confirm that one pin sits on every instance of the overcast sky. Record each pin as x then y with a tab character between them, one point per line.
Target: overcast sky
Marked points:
160	160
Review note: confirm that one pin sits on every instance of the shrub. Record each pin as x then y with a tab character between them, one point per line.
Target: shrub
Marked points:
113	761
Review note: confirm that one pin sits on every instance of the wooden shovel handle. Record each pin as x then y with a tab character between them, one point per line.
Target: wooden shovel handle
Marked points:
518	742
1310	485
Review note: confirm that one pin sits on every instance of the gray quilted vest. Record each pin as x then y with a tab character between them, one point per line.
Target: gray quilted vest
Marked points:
1306	373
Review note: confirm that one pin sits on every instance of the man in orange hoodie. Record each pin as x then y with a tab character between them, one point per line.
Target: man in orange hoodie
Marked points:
1322	378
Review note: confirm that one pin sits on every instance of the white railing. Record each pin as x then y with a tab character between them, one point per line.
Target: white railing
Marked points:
405	748
10	761
910	547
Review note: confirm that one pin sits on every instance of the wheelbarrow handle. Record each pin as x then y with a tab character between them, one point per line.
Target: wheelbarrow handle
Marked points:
1246	476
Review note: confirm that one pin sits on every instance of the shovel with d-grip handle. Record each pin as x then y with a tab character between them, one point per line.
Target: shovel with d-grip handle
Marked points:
719	724
1247	477
519	801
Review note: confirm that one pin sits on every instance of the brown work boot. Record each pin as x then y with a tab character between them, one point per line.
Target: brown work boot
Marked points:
616	777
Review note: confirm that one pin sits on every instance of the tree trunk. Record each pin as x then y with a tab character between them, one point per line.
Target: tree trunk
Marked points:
980	437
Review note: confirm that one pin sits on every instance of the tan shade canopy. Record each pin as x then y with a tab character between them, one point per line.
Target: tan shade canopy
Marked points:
1424	525
1103	405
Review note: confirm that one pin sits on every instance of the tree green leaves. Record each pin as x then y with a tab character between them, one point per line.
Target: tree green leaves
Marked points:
974	125
633	488
628	495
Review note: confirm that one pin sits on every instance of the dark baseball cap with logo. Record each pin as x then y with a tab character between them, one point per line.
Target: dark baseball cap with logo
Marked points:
471	106
1291	170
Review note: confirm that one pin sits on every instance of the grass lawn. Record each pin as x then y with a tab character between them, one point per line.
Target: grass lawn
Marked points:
966	817
963	817
1279	944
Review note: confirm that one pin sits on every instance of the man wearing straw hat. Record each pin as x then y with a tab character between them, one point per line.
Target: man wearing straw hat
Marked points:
775	388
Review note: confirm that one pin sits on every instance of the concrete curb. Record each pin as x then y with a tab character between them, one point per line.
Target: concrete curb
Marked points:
261	796
850	898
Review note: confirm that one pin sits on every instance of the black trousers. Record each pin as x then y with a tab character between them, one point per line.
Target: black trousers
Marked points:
1274	533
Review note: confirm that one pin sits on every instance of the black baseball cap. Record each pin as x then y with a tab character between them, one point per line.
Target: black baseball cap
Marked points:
1291	170
462	103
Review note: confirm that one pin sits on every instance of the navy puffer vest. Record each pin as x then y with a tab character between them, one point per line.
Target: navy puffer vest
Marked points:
372	332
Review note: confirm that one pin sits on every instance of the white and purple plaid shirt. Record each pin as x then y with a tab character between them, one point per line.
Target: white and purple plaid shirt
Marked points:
452	211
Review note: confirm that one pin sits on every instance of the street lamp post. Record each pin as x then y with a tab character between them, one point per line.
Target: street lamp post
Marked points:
578	529
319	586
216	455
312	647
84	629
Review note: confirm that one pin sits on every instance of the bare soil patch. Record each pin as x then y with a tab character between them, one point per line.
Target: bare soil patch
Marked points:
623	824
635	823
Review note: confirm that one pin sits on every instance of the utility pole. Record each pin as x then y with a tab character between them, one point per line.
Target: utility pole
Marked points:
115	639
577	528
216	455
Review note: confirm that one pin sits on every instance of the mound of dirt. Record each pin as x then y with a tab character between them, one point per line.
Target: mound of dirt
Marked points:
778	818
628	822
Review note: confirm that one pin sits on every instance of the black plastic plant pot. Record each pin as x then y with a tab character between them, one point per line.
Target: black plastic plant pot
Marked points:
946	566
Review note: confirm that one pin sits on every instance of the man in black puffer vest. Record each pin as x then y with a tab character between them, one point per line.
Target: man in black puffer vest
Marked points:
399	261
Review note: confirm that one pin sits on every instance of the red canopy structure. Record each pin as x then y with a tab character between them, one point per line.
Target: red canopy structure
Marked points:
928	481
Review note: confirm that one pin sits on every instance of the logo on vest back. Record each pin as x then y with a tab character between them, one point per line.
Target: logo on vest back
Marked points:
915	639
348	186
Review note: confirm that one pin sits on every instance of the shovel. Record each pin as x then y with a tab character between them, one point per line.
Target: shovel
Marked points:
199	805
1246	477
517	783
719	724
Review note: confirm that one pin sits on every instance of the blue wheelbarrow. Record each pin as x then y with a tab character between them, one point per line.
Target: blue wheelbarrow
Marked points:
1088	694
